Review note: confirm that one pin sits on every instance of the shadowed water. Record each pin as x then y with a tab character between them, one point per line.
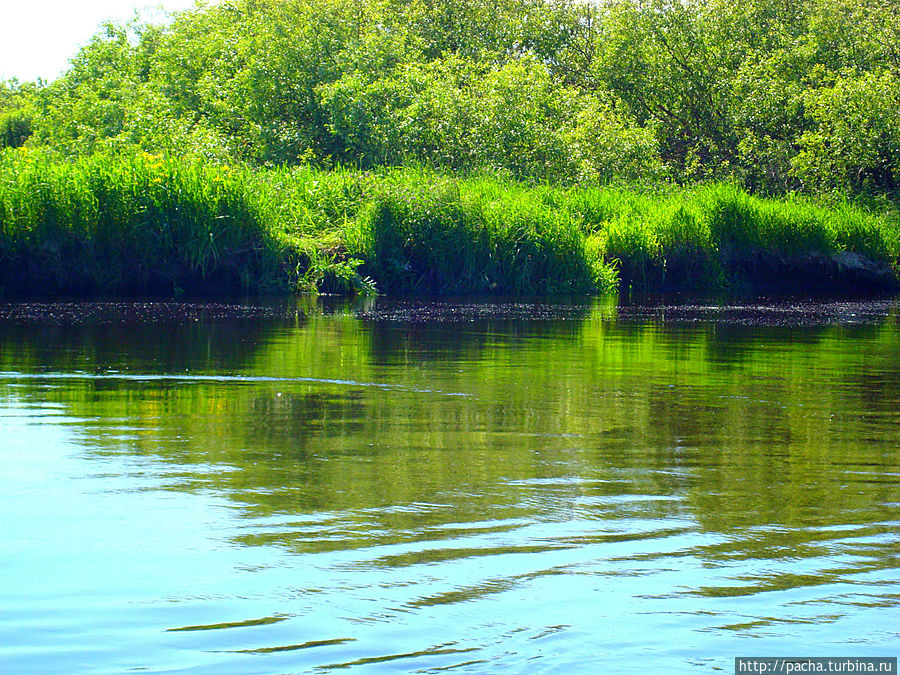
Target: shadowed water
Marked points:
276	487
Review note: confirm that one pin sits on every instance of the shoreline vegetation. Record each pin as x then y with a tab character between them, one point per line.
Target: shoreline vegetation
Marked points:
462	146
154	224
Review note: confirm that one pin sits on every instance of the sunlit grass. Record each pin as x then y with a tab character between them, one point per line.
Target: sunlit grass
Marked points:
160	224
157	224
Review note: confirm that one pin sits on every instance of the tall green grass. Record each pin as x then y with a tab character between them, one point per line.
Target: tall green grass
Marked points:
715	236
161	224
155	224
424	233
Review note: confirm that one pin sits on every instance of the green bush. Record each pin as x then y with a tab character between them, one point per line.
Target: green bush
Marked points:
15	129
461	115
855	143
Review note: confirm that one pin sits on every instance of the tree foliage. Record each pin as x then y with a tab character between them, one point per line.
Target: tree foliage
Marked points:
781	95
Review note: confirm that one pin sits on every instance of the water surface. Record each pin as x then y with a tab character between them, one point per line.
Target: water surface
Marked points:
304	486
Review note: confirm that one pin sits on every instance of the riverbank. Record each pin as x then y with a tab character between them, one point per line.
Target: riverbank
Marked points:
150	224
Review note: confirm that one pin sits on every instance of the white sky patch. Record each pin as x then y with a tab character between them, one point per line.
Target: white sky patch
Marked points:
38	37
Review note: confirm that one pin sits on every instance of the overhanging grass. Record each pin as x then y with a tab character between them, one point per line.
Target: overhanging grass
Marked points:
424	233
703	238
155	224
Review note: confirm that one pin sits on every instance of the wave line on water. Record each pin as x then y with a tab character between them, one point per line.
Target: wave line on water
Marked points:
291	648
232	624
220	379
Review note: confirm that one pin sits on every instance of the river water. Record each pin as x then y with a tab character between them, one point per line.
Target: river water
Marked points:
420	486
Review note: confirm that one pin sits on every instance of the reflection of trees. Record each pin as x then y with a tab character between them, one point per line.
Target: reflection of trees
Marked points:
412	426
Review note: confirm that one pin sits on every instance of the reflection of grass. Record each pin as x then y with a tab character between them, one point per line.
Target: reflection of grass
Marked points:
150	223
745	422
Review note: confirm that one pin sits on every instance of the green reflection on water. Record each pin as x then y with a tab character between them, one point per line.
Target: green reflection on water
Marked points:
758	426
332	431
